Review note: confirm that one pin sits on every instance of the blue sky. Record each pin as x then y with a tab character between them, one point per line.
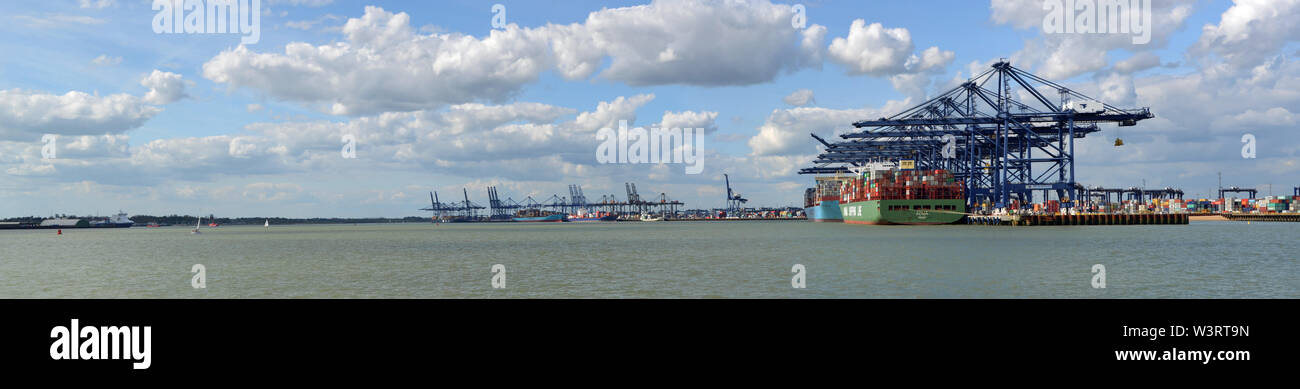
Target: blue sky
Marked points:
186	123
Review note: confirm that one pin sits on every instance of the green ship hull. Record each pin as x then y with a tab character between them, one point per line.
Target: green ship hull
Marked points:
922	212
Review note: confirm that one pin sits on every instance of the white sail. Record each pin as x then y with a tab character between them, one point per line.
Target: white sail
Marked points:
267	224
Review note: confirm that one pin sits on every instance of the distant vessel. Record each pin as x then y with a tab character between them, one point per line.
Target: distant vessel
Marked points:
535	215
267	224
117	221
645	217
451	219
822	203
196	226
583	216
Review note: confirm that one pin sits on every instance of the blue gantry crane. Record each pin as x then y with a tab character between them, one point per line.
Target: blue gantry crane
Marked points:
505	209
501	209
1248	191
998	133
454	211
735	203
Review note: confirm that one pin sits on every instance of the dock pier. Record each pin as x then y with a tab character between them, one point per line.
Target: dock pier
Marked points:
1263	217
1096	219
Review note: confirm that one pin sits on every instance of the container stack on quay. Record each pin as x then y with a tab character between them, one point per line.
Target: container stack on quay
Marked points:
745	214
1158	206
1269	204
750	214
1272	204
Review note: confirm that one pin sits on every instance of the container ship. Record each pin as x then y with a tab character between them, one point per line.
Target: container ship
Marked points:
584	216
117	221
822	203
881	194
536	215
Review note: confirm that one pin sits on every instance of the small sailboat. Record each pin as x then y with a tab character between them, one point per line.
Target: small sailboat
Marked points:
267	224
196	226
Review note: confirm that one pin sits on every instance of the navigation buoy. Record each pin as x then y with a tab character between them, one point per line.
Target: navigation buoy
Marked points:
60	232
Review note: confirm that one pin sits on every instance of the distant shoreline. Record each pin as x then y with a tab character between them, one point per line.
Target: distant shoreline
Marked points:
141	221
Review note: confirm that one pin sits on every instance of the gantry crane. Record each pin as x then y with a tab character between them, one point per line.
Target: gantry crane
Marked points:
1003	149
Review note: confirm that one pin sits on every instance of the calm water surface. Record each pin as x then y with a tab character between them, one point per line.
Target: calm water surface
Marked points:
656	260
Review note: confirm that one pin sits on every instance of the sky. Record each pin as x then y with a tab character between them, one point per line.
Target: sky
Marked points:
445	95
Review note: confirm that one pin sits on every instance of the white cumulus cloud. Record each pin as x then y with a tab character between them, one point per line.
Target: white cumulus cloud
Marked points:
384	65
25	115
1065	55
799	98
873	49
164	87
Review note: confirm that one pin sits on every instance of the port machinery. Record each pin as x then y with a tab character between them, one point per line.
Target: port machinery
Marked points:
1103	195
998	133
1248	191
735	203
504	210
454	211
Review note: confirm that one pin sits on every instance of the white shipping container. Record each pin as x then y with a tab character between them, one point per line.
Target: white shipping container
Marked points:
1084	106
